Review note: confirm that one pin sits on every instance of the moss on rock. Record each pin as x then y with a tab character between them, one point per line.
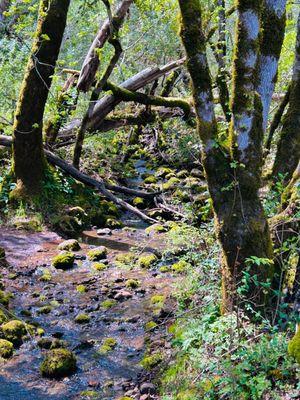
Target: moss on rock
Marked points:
69	245
180	267
108	303
132	283
63	260
58	363
14	331
108	345
99	266
6	348
3	317
82	319
4	298
151	361
97	254
146	261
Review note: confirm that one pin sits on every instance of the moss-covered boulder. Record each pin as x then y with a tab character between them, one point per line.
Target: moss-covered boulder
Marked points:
63	260
180	267
58	363
294	347
151	361
150	179
114	223
69	245
14	331
6	348
132	283
97	254
172	183
125	259
82	319
147	260
139	202
155	228
4	298
99	266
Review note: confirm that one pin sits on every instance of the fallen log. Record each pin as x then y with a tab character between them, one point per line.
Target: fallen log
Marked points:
97	184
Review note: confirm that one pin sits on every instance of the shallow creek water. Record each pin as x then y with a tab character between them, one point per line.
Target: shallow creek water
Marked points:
109	375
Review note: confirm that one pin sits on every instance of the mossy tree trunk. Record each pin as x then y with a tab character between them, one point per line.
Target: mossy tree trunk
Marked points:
233	174
288	151
28	156
273	27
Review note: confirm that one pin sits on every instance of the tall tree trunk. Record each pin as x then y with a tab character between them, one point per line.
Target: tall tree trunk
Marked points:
28	156
273	28
288	151
233	175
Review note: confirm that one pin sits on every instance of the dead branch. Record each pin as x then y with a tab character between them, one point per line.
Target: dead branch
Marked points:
91	182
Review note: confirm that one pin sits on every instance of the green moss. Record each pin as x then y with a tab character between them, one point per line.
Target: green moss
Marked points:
46	277
172	183
138	202
89	394
150	326
165	268
132	283
14	331
147	261
157	300
97	254
6	348
81	289
108	303
108	345
155	228
294	347
3	317
99	266
125	259
69	245
63	260
4	298
150	179
163	171
82	319
180	267
58	363
113	223
149	362
45	310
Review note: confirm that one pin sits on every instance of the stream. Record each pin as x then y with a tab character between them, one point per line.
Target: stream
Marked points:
110	376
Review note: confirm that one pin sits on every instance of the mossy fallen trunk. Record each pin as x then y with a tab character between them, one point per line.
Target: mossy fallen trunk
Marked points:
28	156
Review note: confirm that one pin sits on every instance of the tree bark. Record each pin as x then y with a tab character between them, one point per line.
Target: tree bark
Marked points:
28	155
288	151
92	61
273	28
233	175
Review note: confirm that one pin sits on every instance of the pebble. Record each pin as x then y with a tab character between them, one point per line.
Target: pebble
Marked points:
105	231
123	295
147	388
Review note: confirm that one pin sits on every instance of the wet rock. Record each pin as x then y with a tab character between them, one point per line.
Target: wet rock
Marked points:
104	231
69	245
97	254
50	343
58	363
63	261
82	319
147	388
6	348
123	295
14	331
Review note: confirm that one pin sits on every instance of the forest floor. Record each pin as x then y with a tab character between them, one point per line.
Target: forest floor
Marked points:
53	306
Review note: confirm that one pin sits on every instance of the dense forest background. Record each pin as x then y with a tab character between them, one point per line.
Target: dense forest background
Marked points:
149	199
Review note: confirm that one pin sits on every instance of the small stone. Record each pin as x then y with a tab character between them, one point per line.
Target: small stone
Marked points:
123	295
145	397
104	231
147	388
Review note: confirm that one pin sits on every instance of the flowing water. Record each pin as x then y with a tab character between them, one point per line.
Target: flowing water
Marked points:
109	375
